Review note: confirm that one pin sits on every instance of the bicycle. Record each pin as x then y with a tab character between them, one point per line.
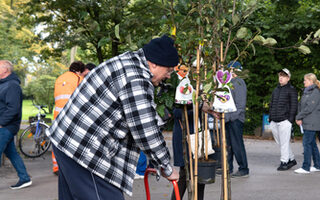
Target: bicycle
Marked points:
33	141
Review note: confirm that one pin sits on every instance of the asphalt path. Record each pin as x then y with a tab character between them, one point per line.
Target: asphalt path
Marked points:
264	182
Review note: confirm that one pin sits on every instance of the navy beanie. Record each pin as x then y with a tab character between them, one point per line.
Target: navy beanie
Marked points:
161	51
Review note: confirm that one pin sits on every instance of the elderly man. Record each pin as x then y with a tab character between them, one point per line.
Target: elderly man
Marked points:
109	118
10	118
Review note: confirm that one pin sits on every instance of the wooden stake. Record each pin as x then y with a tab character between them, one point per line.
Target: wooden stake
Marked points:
189	144
197	128
224	160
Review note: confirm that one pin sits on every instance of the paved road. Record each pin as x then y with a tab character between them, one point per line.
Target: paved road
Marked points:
264	182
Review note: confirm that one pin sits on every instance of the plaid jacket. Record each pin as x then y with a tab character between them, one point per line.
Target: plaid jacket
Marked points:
109	118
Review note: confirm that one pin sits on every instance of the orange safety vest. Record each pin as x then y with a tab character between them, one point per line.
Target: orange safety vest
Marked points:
64	86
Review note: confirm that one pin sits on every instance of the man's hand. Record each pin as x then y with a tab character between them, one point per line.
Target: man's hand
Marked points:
0	126
174	176
299	122
208	109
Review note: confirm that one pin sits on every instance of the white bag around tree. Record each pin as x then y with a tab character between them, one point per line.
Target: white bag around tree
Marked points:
192	140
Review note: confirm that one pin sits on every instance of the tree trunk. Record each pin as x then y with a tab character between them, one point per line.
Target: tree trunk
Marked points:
99	54
115	49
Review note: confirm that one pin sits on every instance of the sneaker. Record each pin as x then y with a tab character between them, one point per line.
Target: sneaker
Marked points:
239	174
21	184
301	171
137	176
291	163
313	169
283	166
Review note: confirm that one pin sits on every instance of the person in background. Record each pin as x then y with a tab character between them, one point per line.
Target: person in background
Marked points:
308	118
111	116
64	87
234	124
10	119
88	68
282	111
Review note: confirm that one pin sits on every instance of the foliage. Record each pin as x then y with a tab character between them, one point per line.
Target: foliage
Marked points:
42	90
105	28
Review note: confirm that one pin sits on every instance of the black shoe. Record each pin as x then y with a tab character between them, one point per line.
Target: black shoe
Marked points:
56	173
283	166
21	184
239	174
291	163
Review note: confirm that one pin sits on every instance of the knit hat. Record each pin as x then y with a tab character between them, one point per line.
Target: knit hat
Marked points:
161	51
236	65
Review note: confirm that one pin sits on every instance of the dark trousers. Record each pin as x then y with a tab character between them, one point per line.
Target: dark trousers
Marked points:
182	185
76	182
236	148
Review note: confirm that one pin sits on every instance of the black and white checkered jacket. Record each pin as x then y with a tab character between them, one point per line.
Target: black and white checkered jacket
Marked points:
109	117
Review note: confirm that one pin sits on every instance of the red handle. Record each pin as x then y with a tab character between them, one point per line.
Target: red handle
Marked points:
146	184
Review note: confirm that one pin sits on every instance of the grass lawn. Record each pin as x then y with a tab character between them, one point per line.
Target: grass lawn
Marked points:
29	110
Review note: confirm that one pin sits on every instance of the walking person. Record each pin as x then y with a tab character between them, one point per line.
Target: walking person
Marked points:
234	124
308	117
111	116
10	119
282	112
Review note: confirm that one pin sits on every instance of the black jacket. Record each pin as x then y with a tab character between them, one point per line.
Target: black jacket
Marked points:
10	103
284	103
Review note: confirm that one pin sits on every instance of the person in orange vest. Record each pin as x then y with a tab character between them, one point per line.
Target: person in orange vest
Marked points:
64	86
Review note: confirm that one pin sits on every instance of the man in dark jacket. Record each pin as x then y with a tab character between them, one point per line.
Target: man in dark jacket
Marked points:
283	108
10	118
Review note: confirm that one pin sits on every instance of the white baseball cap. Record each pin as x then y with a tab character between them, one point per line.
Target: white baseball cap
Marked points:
285	70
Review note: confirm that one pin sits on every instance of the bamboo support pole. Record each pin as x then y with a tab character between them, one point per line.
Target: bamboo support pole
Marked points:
206	123
224	160
197	128
189	144
225	190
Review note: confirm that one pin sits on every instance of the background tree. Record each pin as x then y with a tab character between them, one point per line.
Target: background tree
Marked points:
104	28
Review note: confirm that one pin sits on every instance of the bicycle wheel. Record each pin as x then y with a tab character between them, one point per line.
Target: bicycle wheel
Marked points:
33	142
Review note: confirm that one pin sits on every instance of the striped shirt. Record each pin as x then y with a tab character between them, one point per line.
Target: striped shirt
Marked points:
109	118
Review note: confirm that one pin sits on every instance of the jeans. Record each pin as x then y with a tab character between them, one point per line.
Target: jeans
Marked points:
177	143
8	147
235	146
142	164
310	150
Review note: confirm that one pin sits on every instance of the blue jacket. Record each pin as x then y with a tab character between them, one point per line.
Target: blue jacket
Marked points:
10	103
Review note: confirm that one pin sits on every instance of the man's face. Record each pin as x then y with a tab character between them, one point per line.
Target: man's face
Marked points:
159	73
85	72
283	80
3	71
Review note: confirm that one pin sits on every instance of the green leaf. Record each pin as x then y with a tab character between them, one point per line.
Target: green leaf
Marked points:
270	42
160	110
116	31
260	39
242	33
103	41
207	87
304	49
235	19
317	34
253	49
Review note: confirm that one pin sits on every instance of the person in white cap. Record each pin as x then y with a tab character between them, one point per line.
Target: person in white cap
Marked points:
282	111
